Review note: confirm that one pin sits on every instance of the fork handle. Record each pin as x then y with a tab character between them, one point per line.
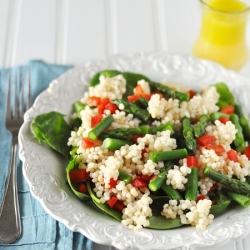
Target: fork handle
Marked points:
10	222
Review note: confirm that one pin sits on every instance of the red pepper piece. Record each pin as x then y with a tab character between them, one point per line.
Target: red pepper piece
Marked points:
112	201
87	143
213	187
232	155
77	175
218	149
247	152
94	101
200	197
191	93
146	177
224	119
133	98
138	90
102	105
119	206
95	120
139	182
192	161
205	140
111	107
82	188
112	183
229	109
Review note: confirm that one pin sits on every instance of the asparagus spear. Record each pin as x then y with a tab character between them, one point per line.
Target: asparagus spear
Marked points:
114	144
233	185
97	130
168	155
123	176
226	97
157	182
239	141
124	133
241	199
192	184
162	127
169	91
200	126
171	192
187	132
78	107
217	115
243	121
132	108
143	102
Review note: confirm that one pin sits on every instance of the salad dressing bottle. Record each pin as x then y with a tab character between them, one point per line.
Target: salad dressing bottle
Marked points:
222	35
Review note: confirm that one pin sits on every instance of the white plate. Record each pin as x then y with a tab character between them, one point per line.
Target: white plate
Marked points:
44	170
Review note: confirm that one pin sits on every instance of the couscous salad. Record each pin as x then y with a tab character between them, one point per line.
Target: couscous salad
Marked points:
153	155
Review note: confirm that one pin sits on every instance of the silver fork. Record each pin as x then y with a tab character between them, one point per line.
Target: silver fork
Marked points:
10	222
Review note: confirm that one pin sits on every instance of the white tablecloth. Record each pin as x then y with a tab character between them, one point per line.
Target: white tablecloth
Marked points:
76	31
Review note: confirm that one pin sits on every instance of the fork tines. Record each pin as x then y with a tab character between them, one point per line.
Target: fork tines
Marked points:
17	105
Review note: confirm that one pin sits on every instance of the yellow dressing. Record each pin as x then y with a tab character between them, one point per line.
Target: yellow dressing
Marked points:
222	36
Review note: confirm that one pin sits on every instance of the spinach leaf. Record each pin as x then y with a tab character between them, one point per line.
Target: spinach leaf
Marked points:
104	206
72	164
161	222
157	221
107	73
52	129
131	79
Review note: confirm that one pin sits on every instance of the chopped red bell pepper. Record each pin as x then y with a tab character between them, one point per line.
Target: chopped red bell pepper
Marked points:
88	177
146	177
138	182
119	206
95	120
94	101
224	119
205	140
133	98
112	201
138	90
101	106
82	188
218	149
112	183
200	197
87	143
229	109
77	175
232	155
213	187
111	107
247	152
192	161
191	93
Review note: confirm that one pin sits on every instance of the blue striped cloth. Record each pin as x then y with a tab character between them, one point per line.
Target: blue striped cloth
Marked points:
39	230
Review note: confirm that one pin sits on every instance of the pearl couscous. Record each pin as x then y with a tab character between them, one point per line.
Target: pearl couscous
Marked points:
134	159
